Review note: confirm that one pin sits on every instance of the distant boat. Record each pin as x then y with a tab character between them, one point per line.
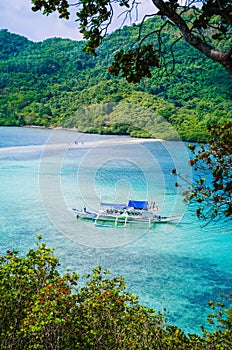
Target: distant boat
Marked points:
122	214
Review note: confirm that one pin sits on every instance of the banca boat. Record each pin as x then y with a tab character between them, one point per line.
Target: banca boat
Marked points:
122	214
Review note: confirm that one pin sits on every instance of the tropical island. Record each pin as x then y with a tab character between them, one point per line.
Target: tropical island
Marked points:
55	84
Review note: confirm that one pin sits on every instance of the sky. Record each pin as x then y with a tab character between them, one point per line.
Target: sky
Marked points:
18	18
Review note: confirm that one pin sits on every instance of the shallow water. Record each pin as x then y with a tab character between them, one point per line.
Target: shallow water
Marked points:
44	173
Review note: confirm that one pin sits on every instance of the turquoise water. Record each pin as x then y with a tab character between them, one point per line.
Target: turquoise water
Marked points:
44	173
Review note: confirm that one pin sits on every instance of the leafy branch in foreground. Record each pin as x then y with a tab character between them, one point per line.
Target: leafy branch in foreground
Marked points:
135	63
205	25
222	319
212	180
42	309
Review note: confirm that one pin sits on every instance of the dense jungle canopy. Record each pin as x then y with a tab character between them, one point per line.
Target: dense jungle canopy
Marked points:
205	25
54	83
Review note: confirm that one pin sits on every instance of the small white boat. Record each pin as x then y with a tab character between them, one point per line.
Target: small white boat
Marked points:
123	214
83	214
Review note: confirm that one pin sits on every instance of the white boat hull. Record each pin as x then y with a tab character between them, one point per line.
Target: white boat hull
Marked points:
123	219
86	215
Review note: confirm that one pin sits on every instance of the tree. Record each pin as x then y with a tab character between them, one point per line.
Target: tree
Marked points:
212	165
222	319
21	279
205	25
43	309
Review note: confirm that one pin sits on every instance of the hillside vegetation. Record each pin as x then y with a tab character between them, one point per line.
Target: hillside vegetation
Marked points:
53	83
44	309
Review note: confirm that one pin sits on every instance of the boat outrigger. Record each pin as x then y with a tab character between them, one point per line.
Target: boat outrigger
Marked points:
122	214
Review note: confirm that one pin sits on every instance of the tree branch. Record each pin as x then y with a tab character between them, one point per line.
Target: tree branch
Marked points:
224	58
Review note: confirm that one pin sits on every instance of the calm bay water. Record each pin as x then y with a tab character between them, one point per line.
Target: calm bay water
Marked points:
44	173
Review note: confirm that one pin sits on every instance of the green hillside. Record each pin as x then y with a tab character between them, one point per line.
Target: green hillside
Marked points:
53	83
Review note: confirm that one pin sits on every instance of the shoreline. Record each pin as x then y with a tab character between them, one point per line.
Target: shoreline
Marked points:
75	142
133	139
130	139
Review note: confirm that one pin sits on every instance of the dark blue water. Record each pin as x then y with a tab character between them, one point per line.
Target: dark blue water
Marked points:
44	173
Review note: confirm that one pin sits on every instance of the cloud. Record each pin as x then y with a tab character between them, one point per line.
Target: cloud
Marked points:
18	17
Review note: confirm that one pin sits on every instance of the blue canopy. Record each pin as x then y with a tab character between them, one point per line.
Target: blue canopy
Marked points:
138	204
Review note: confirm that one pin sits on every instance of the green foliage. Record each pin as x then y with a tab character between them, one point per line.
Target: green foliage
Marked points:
92	17
42	309
217	16
53	83
205	25
222	319
135	64
21	279
11	44
138	115
212	165
49	6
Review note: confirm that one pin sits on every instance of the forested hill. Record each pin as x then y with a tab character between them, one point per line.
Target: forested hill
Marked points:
53	83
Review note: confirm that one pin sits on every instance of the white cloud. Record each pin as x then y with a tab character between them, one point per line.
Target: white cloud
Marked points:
18	17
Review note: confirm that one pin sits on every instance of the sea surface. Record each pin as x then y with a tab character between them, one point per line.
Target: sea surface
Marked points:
45	173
